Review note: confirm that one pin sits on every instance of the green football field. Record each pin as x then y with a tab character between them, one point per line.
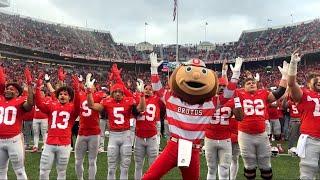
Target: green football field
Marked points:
284	167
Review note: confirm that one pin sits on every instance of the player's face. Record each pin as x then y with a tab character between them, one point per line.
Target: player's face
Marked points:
250	86
221	88
315	84
117	95
11	92
148	91
64	97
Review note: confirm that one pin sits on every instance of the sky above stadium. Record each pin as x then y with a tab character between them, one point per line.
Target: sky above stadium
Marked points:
126	19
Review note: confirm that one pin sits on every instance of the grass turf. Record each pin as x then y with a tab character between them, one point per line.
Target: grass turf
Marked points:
284	167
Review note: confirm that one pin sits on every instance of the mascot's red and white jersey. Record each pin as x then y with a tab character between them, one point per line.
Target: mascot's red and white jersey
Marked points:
185	121
146	124
309	107
254	108
219	128
11	116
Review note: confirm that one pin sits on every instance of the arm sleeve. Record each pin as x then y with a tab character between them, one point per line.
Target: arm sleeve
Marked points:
40	102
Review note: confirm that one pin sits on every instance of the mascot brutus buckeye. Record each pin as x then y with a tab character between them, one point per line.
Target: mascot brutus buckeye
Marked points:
189	106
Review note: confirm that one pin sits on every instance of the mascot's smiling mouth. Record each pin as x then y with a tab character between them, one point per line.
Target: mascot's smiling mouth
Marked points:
194	84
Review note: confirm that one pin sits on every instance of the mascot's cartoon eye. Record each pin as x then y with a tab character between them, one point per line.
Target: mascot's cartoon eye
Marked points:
188	69
204	71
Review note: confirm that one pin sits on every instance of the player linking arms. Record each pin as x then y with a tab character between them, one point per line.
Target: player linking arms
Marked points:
308	100
119	110
62	114
13	106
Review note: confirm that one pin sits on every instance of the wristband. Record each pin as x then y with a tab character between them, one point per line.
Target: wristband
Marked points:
237	103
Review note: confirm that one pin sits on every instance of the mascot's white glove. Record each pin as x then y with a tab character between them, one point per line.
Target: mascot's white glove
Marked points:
284	70
257	77
46	78
295	58
89	82
80	78
140	85
154	63
236	69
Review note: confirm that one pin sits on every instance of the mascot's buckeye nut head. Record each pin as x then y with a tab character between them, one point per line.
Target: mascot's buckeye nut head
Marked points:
193	82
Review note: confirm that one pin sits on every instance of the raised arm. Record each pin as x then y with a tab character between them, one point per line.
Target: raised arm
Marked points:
279	92
116	74
89	91
29	103
61	76
294	89
76	99
142	102
155	80
228	92
40	102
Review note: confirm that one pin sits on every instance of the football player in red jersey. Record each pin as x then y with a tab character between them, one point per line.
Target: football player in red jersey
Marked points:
62	114
13	106
217	142
294	124
253	140
119	109
147	129
308	101
89	135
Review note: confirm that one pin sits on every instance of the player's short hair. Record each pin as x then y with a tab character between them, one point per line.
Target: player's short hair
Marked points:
17	86
312	75
248	79
65	88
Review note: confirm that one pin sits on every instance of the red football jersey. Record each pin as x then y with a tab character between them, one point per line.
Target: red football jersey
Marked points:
219	127
146	124
38	114
309	107
273	112
119	113
89	119
11	116
254	108
293	110
234	129
61	118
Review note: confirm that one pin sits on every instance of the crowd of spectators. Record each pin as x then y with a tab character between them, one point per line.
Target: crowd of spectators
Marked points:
57	38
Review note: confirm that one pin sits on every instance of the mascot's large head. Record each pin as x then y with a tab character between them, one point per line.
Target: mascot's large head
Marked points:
193	83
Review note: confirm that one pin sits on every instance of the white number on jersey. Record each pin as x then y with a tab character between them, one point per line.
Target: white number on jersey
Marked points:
150	112
253	107
222	116
118	116
86	110
65	118
294	109
316	111
4	115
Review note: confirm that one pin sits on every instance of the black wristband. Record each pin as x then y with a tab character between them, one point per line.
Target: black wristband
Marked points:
279	92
